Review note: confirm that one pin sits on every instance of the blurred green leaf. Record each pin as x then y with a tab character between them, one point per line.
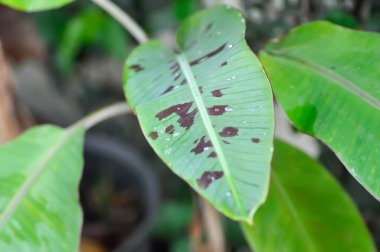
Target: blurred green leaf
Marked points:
39	176
35	5
306	210
173	219
340	17
90	27
184	8
326	78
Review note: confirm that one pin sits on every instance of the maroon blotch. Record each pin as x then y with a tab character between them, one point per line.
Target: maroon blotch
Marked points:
136	67
217	110
201	146
212	155
208	177
179	109
153	135
255	140
217	93
170	88
187	120
183	82
169	129
229	132
224	63
208	27
209	55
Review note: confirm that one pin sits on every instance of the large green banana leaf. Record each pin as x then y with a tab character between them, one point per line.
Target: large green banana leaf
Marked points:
306	210
327	78
207	110
35	5
39	176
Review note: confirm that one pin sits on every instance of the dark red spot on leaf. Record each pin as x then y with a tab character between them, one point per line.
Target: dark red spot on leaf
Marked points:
209	55
169	129
217	93
136	68
208	177
212	155
201	146
170	88
186	119
217	110
255	140
224	63
229	132
179	109
183	82
208	27
153	135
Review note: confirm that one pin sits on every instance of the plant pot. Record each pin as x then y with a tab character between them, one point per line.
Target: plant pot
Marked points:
119	196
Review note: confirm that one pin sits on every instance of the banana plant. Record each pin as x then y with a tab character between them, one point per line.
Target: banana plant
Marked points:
207	111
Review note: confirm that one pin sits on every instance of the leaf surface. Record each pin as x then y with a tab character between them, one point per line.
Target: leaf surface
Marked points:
39	176
306	210
327	79
208	110
35	5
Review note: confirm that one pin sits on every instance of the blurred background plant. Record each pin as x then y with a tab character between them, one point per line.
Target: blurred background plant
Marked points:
72	60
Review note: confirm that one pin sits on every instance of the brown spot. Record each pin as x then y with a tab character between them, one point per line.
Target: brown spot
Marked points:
201	146
136	67
209	55
153	135
208	27
183	82
208	177
217	93
226	142
212	155
229	132
175	65
170	88
224	63
169	129
217	110
255	140
186	119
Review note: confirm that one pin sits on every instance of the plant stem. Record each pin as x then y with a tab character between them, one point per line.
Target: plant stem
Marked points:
124	19
104	114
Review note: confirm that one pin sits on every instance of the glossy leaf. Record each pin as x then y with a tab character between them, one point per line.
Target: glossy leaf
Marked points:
327	79
39	176
35	5
208	110
306	210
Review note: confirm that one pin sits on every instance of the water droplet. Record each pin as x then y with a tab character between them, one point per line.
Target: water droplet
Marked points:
218	33
206	148
175	134
228	79
229	46
233	77
242	20
264	133
244	122
167	139
176	87
228	194
168	151
260	107
229	109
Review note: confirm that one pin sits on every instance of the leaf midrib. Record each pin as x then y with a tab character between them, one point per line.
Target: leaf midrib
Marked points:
28	183
335	78
293	212
192	83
